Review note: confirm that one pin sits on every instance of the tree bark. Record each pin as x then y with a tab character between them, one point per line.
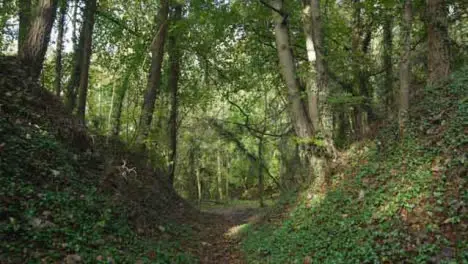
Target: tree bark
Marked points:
325	110
199	185
34	47
154	78
388	93
117	105
260	172
438	41
25	8
302	124
405	65
174	60
58	58
87	35
219	177
360	46
312	89
227	180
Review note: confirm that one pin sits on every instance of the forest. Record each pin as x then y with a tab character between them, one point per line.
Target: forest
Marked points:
233	131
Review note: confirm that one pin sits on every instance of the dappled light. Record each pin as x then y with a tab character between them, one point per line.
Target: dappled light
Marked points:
240	131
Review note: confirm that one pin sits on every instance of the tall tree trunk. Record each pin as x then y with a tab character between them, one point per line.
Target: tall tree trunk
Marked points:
325	110
360	46
154	78
405	65
87	34
174	60
438	41
34	47
58	59
78	46
228	170
302	124
25	8
117	105
74	23
260	172
199	184
219	177
312	90
388	93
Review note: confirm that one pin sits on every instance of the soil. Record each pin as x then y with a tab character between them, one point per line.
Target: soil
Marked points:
219	239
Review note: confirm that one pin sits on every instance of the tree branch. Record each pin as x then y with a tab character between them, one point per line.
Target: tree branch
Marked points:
228	135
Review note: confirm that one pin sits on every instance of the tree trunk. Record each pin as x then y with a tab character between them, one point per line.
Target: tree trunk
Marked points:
199	185
78	45
388	93
405	65
312	89
74	22
25	8
360	46
34	47
154	78
118	97
302	124
58	59
325	110
438	41
260	172
227	180
219	178
87	35
174	60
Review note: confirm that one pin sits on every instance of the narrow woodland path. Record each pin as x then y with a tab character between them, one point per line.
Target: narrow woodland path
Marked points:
219	239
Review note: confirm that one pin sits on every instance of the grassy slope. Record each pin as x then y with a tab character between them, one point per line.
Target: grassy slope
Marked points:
60	196
392	203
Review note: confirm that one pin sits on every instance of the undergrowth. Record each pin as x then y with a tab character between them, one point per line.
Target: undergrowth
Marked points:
54	205
397	200
50	209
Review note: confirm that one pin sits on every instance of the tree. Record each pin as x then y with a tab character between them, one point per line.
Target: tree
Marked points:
174	60
87	36
325	110
34	47
405	65
154	77
388	93
78	82
25	8
302	123
438	41
115	113
58	59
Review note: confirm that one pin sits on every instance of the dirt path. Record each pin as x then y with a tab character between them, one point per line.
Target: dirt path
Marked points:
219	240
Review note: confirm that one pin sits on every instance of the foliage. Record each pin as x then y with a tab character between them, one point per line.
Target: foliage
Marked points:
404	202
53	207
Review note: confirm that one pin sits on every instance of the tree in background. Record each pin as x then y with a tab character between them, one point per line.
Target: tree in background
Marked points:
405	64
87	36
154	77
319	66
58	59
173	83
